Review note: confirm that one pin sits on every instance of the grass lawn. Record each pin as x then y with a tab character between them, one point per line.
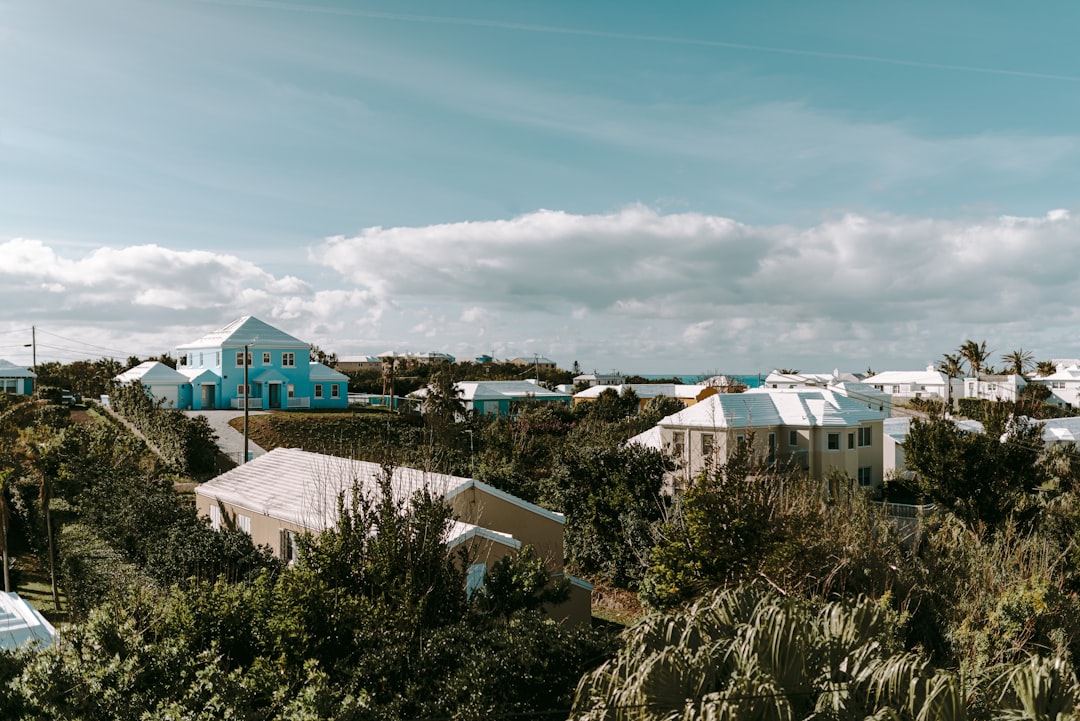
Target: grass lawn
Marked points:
34	588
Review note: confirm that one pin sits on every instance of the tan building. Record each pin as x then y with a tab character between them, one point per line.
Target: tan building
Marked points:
687	394
815	429
288	492
354	363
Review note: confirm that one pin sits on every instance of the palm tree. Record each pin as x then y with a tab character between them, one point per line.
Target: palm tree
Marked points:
1019	361
1045	368
952	365
976	355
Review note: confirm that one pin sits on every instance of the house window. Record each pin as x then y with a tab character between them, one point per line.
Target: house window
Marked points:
866	476
866	437
850	440
215	517
834	442
292	390
335	390
287	545
217	358
266	358
706	444
318	390
288	360
240	359
793	438
772	448
200	360
241	390
243	523
678	444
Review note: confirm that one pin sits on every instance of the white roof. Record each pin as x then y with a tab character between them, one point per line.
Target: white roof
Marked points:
1063	373
821	379
320	372
1060	430
302	488
899	428
762	407
358	359
198	375
152	373
500	390
929	376
647	390
651	438
21	624
10	370
248	330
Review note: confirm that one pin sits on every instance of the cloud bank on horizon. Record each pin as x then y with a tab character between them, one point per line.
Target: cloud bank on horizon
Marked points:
637	289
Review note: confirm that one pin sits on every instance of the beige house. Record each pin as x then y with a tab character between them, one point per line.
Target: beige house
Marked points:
288	492
813	428
688	395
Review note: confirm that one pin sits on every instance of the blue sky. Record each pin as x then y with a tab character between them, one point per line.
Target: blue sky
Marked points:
683	187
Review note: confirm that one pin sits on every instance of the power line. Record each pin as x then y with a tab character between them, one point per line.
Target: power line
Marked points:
89	345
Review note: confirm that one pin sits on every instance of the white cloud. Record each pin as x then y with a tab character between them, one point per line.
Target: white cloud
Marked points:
635	289
869	287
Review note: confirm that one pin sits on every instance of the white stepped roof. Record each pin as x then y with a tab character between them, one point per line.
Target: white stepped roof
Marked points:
763	407
1059	430
499	390
647	390
21	624
151	373
1063	373
247	330
929	376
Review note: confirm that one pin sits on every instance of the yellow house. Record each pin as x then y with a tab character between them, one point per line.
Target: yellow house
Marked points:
813	428
687	394
288	492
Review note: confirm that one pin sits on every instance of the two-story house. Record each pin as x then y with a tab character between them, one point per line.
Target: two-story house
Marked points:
1064	385
211	372
813	428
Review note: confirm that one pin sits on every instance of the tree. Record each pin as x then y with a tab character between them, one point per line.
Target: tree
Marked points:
1045	368
952	365
6	475
981	477
576	368
1019	361
975	354
318	355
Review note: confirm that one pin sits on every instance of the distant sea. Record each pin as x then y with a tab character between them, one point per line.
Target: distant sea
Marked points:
749	381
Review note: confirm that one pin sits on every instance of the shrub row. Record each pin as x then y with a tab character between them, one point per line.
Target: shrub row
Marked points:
190	444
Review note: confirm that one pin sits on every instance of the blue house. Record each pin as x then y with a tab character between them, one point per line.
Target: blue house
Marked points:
16	379
279	372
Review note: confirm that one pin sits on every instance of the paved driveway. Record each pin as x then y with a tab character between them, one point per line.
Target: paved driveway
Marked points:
230	440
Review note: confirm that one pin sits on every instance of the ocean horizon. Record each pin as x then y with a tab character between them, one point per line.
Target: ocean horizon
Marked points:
750	381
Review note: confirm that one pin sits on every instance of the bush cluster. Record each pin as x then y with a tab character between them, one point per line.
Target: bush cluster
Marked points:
189	444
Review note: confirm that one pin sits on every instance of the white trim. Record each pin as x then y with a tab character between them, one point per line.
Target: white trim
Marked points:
504	496
504	539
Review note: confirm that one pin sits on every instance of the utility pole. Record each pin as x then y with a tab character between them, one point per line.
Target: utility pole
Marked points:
33	345
247	390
